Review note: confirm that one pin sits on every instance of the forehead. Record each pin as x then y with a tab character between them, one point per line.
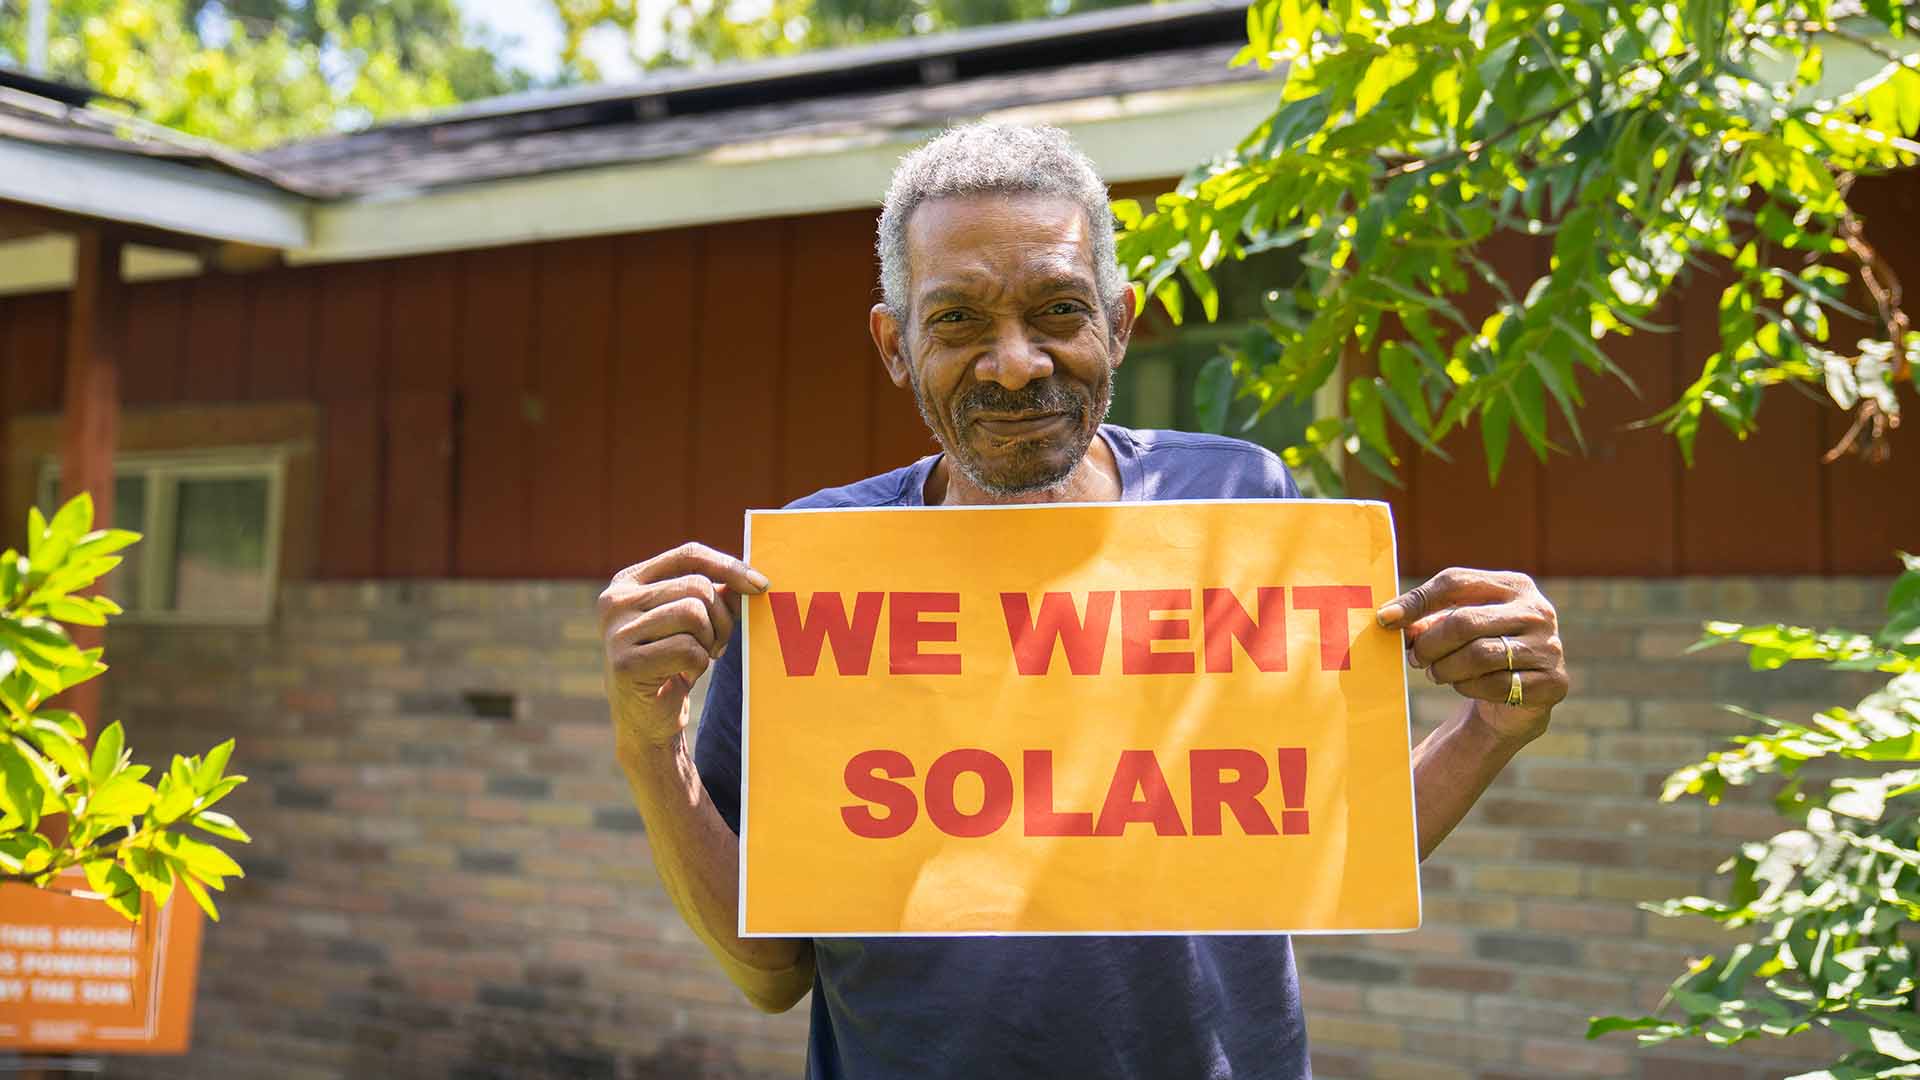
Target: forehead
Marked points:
1002	237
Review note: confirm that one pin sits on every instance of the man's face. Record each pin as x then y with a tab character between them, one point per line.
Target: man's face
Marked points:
1007	345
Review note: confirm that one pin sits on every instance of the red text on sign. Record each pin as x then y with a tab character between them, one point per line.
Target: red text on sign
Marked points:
1222	782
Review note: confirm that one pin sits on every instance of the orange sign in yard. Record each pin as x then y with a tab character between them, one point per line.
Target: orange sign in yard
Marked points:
74	975
1150	717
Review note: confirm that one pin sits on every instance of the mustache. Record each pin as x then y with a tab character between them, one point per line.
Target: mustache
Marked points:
1047	396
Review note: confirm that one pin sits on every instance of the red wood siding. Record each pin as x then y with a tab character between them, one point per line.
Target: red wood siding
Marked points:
563	409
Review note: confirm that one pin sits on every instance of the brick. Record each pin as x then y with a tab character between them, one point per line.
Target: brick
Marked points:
1329	1065
519	787
1677	716
496	810
512	997
1331	996
1583	779
1330	1029
1639	886
621	819
299	797
1684	682
1528	1015
1525	949
1560	742
1662	1065
560	814
1565	1057
1527	880
1422	1067
1479	842
1340	967
1474	978
1472	910
1426	1004
1584	919
1581	850
1606	992
489	862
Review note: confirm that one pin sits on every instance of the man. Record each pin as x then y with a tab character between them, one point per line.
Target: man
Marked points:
1005	314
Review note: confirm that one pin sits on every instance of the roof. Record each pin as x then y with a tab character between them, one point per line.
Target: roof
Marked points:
53	114
914	84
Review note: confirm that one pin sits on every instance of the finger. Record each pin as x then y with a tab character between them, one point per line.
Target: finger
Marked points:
1451	587
687	615
730	608
1453	628
697	587
1487	656
681	655
1538	689
700	559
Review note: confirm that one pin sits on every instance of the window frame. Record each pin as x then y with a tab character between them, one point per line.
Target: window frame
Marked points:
163	471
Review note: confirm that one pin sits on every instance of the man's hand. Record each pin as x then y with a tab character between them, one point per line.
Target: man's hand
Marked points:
662	622
1459	625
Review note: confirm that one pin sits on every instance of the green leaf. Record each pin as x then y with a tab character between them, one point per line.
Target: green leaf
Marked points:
199	894
1607	1025
1494	419
220	825
116	886
1213	393
205	860
21	792
106	753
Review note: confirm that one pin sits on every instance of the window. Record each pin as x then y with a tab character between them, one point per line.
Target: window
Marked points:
211	522
1154	388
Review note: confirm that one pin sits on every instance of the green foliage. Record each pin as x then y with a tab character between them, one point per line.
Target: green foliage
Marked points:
1828	898
701	32
1654	143
129	836
270	73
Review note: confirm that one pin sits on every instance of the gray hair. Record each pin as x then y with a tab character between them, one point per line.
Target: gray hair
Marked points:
1002	159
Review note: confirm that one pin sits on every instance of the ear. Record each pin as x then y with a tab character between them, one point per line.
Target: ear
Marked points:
1120	322
887	333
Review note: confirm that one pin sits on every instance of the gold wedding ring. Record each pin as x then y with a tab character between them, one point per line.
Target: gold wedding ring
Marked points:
1513	690
1508	642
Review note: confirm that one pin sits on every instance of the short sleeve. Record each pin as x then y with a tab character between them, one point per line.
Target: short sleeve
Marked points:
716	748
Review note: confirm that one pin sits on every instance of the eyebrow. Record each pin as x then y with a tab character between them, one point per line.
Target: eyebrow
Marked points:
1060	282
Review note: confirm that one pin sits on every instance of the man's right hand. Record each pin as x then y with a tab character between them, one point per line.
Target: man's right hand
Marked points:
662	622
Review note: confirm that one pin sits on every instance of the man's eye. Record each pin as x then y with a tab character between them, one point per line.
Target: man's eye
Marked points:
950	317
1064	307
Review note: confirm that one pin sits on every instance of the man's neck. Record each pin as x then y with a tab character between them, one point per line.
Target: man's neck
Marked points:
1095	479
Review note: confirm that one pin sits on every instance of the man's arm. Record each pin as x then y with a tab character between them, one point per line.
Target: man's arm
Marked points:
663	622
1496	640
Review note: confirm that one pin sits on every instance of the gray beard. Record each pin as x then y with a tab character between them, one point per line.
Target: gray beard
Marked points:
1033	397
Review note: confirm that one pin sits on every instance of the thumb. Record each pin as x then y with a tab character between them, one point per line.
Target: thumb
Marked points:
1410	606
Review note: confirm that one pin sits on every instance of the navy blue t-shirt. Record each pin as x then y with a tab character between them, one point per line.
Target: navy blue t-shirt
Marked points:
1118	1008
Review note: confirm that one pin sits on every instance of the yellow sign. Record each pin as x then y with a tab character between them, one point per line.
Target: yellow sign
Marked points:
1137	718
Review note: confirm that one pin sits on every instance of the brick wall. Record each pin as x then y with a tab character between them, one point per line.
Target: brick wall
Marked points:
448	878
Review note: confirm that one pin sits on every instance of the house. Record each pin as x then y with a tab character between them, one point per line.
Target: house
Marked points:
392	406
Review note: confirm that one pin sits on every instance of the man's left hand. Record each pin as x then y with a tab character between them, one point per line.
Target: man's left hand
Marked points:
1474	630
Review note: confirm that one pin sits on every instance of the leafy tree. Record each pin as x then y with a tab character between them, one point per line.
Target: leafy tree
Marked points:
131	838
1654	143
260	75
1828	900
699	32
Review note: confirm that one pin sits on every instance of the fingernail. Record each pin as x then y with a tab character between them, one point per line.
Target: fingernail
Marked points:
1431	677
1389	614
758	580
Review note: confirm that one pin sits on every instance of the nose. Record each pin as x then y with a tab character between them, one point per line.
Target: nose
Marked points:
1012	358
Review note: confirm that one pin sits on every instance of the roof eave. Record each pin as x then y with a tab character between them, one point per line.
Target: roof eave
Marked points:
152	194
